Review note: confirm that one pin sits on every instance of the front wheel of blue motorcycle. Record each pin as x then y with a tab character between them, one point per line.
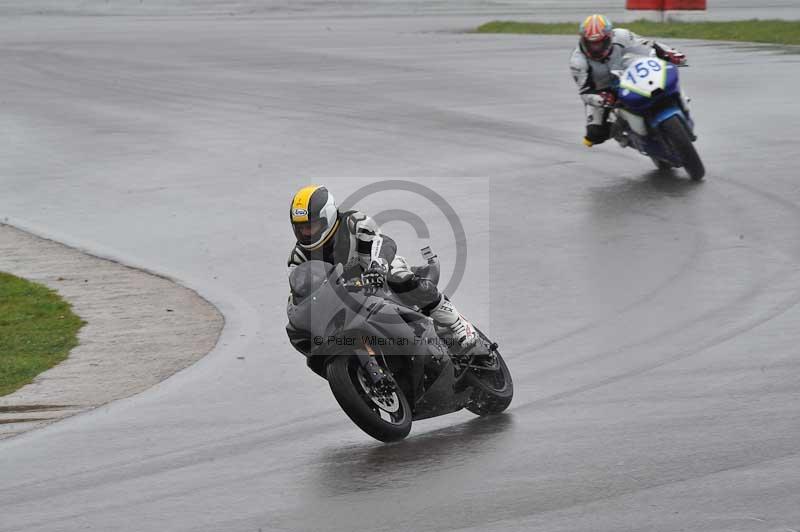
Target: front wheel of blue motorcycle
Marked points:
677	134
383	414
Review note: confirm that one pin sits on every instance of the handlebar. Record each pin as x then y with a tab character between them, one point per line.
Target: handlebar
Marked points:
431	272
354	285
357	285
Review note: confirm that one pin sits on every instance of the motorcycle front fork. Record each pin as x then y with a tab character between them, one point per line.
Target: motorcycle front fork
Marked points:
618	132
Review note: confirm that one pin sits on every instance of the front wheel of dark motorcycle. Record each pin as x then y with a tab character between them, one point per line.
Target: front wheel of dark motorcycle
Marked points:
493	388
384	416
678	136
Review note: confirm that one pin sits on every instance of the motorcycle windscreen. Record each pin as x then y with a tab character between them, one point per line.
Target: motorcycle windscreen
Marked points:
308	277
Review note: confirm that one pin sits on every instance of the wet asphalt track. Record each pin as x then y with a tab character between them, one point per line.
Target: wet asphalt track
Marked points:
651	323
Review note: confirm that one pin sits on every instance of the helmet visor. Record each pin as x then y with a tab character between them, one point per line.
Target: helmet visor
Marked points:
598	49
308	233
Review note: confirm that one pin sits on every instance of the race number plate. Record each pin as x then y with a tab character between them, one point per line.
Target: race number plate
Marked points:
644	76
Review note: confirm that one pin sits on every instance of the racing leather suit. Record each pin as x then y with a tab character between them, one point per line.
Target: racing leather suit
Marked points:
351	245
594	77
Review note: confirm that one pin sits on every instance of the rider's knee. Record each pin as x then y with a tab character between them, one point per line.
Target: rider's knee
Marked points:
412	288
427	292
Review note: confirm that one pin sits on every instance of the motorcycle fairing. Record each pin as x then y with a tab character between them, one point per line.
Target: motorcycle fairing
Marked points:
431	389
645	105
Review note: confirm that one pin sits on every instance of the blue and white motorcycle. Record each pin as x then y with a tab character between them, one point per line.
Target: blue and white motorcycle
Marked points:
652	115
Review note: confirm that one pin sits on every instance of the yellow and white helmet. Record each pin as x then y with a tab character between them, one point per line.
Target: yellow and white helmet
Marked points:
314	216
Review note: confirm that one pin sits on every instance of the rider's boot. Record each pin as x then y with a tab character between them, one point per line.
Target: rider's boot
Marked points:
446	316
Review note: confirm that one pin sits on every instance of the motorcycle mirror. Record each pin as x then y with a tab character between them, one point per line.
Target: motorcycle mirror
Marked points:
337	271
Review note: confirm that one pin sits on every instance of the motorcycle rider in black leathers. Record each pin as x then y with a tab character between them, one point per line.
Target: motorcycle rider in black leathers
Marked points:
348	238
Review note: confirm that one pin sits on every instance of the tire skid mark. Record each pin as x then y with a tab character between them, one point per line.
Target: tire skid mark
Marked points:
476	126
174	457
772	313
145	498
645	298
752	294
685	266
776	311
649	486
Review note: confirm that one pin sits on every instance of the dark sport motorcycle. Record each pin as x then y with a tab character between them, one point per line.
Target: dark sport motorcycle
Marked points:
383	359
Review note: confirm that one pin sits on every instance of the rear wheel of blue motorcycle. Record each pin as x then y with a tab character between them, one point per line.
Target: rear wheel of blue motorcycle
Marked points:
679	138
493	388
384	417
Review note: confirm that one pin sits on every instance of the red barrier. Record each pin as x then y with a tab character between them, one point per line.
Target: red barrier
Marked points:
666	5
650	5
684	5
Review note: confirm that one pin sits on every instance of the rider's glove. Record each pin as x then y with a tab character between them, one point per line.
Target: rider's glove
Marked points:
674	57
375	276
608	98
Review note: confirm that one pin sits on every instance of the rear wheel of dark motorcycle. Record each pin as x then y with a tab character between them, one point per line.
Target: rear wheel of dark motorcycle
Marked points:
678	136
385	417
493	388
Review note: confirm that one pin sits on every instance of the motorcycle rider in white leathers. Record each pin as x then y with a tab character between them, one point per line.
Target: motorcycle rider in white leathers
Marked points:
602	49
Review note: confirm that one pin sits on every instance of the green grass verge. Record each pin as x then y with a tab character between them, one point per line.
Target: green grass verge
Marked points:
763	31
37	331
